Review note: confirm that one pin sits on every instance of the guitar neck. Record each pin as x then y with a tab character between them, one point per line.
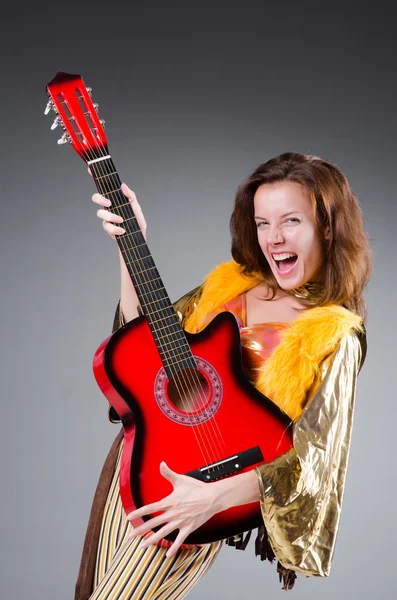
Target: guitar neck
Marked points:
163	321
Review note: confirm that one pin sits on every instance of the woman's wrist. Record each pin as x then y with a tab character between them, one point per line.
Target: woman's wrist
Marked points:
236	490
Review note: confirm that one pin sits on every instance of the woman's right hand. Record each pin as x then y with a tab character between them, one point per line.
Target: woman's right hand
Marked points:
110	221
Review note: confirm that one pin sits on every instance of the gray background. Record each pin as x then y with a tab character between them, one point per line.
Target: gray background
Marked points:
195	95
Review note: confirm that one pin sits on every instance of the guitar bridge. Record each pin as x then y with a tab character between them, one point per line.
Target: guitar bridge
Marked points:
228	466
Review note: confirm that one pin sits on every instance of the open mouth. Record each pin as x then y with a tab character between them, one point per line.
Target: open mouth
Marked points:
286	263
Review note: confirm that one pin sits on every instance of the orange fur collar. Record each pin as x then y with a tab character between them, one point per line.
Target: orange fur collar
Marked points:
291	369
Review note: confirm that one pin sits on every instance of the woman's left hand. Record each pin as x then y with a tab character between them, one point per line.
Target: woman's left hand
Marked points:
190	505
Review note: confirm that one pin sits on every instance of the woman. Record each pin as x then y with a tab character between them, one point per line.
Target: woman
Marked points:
301	262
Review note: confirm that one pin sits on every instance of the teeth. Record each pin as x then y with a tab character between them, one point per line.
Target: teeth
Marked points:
283	256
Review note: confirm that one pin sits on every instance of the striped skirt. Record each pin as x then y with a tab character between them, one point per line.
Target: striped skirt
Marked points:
125	571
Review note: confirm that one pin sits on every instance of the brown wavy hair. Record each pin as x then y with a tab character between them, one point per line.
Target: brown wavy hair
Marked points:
347	252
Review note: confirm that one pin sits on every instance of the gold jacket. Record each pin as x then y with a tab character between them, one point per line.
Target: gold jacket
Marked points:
312	376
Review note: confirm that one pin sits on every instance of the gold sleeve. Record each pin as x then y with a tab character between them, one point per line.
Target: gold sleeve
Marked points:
301	492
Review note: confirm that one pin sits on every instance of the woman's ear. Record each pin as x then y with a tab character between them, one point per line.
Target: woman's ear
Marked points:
326	233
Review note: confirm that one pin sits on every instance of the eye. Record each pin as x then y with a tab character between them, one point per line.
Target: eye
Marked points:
262	224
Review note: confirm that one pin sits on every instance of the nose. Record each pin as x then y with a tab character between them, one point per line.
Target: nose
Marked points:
275	235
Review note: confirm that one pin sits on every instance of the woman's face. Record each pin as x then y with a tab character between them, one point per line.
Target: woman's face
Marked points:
286	224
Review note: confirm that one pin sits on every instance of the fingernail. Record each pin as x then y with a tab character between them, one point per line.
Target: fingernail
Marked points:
108	203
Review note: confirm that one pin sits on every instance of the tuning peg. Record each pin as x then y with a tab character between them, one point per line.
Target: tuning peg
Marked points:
102	122
64	139
89	90
57	121
95	105
50	106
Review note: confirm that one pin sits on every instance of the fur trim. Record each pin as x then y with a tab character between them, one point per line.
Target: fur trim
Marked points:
222	284
288	374
290	371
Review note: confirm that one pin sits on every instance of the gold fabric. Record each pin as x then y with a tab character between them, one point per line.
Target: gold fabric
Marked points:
301	492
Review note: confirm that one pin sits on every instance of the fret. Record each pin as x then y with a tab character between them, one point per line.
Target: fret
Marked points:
175	349
155	279
160	300
166	327
140	272
124	235
181	354
165	317
136	258
139	257
108	192
170	347
152	311
169	307
174	362
104	176
172	316
122	205
149	293
126	249
174	341
145	271
167	354
133	218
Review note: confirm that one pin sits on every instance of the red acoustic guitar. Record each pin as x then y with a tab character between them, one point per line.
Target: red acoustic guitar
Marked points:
182	398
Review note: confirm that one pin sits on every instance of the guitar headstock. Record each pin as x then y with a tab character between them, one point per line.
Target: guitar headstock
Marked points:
77	115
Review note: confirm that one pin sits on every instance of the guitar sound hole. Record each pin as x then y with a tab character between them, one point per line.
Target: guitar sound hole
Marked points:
188	390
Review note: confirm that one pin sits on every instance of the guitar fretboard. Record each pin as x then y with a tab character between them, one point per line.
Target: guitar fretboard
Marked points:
163	321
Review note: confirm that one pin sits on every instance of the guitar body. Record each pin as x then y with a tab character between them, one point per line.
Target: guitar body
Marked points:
233	417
